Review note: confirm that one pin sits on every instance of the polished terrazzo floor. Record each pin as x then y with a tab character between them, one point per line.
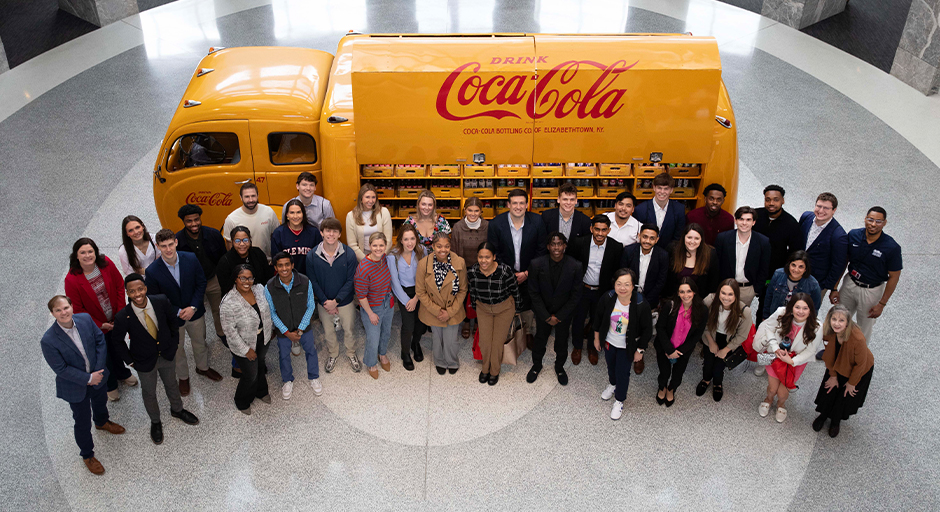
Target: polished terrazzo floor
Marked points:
77	157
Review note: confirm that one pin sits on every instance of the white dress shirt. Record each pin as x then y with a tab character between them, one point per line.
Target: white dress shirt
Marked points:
516	239
814	231
660	213
592	276
147	310
644	267
626	235
77	340
740	256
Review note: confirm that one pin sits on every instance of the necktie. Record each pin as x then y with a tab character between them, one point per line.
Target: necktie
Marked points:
151	327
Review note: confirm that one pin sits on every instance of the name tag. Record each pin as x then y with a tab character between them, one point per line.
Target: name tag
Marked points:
876	253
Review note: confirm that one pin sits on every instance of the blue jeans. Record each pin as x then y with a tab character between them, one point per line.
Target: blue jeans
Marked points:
94	405
377	336
619	363
306	342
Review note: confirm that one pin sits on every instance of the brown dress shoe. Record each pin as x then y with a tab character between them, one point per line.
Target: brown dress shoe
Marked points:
387	366
210	374
576	356
184	387
374	373
94	466
111	427
592	355
639	366
465	330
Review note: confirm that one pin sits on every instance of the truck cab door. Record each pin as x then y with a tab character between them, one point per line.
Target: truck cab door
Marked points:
281	151
205	164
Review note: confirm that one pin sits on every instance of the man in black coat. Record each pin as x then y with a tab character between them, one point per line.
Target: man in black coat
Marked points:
151	323
566	219
751	271
781	228
650	263
555	287
600	258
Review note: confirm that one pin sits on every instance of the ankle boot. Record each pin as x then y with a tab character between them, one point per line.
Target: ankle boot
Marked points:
406	361
416	348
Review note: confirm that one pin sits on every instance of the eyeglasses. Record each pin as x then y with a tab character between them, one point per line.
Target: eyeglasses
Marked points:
876	222
242	241
246	279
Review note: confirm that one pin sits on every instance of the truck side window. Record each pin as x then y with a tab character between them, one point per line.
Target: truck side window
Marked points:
292	148
199	149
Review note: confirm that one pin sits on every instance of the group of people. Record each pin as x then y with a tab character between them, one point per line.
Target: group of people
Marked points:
643	272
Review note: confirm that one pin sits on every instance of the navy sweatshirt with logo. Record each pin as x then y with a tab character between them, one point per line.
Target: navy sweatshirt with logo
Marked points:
283	239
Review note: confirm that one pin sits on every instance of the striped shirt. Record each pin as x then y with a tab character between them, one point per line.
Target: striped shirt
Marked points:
373	281
494	288
96	281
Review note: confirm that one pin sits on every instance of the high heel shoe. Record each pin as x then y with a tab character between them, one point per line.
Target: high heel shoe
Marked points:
670	402
659	400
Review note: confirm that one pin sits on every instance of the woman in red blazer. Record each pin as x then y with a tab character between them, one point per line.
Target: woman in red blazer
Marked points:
96	287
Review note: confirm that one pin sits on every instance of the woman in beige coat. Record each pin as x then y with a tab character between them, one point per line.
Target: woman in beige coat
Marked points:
729	323
441	286
367	217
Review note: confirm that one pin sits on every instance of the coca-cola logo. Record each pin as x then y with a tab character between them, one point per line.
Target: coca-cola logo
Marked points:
464	87
210	198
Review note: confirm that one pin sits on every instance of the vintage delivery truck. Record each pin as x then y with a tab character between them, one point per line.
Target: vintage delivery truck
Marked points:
462	115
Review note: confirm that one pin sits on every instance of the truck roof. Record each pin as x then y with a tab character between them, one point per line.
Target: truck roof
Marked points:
257	83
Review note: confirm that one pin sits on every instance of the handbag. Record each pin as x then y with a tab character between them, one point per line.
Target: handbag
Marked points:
735	357
515	342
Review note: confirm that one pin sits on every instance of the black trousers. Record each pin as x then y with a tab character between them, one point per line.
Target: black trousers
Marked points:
583	311
539	344
254	381
670	374
713	369
116	369
412	328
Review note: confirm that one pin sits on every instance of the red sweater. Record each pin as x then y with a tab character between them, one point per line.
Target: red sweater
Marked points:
373	281
83	296
712	226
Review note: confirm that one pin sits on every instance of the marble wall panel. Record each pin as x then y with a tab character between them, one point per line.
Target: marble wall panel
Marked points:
100	12
915	72
801	13
4	63
917	60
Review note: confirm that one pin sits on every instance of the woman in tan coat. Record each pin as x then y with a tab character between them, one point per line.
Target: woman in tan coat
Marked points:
849	366
441	286
729	323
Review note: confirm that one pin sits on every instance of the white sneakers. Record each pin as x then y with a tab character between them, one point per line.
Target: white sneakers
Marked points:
781	414
287	389
295	348
617	411
608	392
763	409
317	388
760	370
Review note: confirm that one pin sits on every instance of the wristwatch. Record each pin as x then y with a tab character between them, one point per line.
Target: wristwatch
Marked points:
640	350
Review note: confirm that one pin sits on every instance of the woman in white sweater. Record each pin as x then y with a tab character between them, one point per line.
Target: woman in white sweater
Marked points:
246	321
366	218
792	334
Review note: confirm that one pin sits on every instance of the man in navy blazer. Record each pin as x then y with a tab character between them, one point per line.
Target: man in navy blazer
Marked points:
519	236
825	241
645	253
667	214
179	276
566	219
751	274
150	322
76	351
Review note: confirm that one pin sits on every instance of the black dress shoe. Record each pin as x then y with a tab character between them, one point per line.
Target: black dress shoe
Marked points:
441	370
493	380
452	370
718	392
659	400
562	376
156	433
670	402
484	377
819	422
186	416
834	428
701	388
419	355
406	361
533	374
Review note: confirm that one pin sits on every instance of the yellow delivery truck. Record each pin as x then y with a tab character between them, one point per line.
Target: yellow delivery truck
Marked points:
461	115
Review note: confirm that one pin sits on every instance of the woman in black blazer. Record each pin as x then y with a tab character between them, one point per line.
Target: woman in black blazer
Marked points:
626	327
691	257
680	326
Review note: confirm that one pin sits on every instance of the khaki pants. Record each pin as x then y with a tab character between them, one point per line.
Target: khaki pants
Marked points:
494	321
197	336
859	300
214	298
347	315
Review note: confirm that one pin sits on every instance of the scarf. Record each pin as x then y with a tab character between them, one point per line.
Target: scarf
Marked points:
440	272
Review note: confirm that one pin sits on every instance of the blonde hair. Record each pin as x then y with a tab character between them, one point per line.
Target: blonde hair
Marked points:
422	195
378	235
376	208
850	324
